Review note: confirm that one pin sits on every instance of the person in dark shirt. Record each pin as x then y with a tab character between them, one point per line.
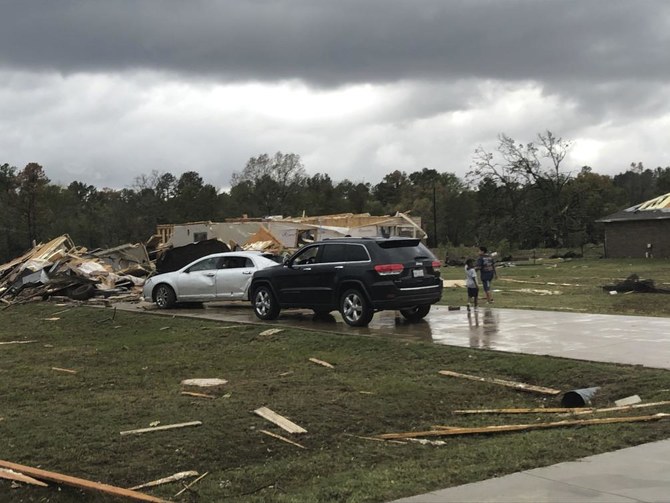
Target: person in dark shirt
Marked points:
487	271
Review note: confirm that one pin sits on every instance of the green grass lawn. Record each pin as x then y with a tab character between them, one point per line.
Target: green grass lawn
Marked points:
572	285
129	371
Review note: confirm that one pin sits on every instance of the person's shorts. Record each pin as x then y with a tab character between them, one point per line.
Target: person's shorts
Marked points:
473	293
486	282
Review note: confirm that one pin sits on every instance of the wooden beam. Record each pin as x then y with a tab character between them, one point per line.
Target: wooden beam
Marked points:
199	395
561	410
162	428
450	430
80	483
283	438
20	477
192	483
15	342
502	382
321	362
280	421
68	371
165	480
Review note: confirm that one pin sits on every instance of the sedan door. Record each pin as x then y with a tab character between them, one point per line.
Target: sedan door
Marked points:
234	277
198	281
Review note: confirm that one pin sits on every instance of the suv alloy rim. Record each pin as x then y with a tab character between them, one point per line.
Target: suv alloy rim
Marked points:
263	302
353	307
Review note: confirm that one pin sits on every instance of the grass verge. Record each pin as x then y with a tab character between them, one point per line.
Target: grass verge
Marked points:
129	371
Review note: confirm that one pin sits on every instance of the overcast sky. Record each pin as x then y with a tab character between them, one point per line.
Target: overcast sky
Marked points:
103	91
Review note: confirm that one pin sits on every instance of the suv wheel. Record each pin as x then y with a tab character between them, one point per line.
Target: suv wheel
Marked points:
415	313
355	309
265	304
165	297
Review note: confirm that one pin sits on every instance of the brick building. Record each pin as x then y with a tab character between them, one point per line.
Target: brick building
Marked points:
642	230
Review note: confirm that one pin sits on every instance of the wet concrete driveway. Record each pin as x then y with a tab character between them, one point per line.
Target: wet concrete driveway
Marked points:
605	338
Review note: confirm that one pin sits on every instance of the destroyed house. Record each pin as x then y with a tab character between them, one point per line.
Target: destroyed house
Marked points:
642	230
278	233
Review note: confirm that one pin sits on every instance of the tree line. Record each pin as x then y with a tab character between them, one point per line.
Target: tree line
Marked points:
515	196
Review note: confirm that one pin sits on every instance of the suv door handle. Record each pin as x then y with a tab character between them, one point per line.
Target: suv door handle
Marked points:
210	274
307	269
339	267
247	272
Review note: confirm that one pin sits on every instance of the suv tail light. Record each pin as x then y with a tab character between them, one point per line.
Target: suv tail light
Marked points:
389	269
436	264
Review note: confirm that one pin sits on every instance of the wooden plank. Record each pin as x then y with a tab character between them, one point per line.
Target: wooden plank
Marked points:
321	362
15	342
166	480
502	382
283	438
162	428
20	477
68	371
280	421
199	395
561	410
450	430
535	410
80	483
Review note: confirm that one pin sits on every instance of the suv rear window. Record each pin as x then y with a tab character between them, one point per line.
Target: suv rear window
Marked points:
406	250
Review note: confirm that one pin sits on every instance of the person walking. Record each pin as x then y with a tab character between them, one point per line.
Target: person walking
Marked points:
487	271
471	283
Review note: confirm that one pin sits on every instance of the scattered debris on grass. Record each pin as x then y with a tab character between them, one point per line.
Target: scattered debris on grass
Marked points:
321	362
511	384
271	331
55	318
274	435
443	431
633	283
162	428
77	482
166	480
535	291
629	400
279	420
563	410
15	342
8	474
187	487
67	371
579	397
204	382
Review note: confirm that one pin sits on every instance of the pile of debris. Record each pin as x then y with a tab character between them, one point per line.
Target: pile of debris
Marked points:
633	283
61	268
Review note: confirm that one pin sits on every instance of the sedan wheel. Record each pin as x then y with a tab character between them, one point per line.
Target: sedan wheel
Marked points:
265	305
165	297
355	309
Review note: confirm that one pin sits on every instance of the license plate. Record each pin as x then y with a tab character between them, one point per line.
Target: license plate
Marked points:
417	273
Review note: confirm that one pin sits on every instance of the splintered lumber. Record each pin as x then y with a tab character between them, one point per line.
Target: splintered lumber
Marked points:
280	421
562	410
443	431
187	487
199	395
67	371
161	428
511	384
166	480
283	438
20	477
535	410
77	482
16	342
321	362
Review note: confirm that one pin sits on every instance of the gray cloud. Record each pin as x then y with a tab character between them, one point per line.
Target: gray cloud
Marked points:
329	43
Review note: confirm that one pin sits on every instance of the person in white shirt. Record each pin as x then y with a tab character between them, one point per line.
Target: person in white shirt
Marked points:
471	282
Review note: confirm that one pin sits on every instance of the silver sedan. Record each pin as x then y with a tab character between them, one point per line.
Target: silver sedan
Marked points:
221	276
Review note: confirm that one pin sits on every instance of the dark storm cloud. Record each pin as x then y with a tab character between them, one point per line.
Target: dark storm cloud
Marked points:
344	41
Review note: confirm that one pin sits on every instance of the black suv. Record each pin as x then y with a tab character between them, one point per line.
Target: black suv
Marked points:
356	276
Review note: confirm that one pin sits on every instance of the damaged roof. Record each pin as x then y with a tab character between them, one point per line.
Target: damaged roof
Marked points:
657	208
